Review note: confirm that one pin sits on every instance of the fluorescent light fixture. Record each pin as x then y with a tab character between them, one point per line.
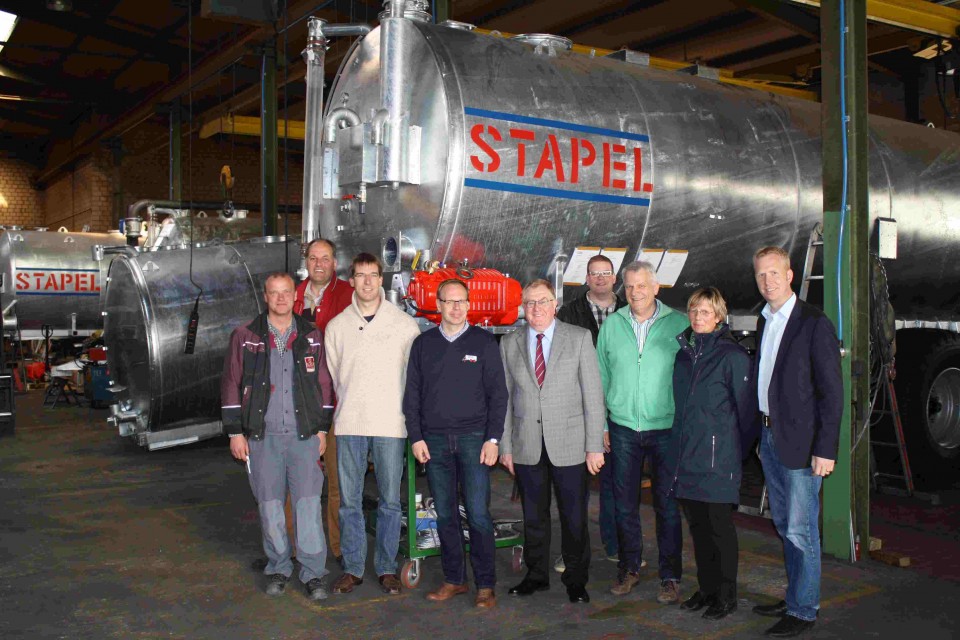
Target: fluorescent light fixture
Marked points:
7	22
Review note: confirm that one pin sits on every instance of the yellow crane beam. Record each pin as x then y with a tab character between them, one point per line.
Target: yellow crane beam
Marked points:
726	76
913	15
250	126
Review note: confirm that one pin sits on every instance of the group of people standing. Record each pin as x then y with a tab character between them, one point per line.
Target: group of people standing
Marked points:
603	386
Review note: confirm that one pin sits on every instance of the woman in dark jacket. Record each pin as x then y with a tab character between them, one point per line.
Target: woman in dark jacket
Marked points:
712	391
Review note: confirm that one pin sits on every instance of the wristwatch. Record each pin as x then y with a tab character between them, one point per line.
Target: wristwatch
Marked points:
494	441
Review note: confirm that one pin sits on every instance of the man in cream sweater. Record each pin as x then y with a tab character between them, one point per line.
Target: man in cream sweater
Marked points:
367	348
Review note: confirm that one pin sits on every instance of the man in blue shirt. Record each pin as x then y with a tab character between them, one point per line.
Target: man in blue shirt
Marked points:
454	404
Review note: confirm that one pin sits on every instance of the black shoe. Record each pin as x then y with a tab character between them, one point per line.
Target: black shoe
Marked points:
276	583
528	586
259	565
317	590
720	609
578	593
771	610
698	601
788	627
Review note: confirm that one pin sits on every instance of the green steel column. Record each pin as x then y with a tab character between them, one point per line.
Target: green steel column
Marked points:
442	10
268	139
176	137
846	492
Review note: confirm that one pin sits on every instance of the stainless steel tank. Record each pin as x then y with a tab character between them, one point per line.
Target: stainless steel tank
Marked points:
164	397
54	281
516	152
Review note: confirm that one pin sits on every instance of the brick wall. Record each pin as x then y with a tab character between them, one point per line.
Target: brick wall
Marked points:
20	203
81	197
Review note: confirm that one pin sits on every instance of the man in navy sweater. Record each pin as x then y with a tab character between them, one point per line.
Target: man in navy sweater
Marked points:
455	404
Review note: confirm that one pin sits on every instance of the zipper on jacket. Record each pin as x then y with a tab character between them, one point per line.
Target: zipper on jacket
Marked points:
693	384
713	450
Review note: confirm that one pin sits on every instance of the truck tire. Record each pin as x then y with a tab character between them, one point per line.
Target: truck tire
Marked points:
928	389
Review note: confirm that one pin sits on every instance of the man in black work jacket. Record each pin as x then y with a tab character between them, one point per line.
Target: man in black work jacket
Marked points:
455	403
800	395
277	406
589	311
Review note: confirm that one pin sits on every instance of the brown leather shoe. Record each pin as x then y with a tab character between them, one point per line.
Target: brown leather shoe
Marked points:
390	583
446	591
486	599
346	583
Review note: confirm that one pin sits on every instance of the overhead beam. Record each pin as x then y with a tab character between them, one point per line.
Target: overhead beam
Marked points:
210	65
914	15
793	18
809	57
250	126
726	76
144	44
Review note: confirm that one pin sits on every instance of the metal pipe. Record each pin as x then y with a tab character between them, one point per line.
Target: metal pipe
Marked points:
347	29
393	97
134	209
333	121
314	56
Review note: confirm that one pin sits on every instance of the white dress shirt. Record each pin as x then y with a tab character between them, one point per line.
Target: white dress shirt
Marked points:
770	345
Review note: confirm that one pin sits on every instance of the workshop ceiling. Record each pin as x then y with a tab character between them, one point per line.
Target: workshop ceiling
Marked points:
109	65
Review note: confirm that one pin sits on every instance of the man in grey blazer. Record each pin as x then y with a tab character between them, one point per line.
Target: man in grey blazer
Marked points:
553	434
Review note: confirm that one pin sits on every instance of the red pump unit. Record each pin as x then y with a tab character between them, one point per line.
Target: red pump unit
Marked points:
495	299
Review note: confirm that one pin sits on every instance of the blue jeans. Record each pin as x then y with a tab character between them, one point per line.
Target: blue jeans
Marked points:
795	507
630	449
455	461
387	456
608	508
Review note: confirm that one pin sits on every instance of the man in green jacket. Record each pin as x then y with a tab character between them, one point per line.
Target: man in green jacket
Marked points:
637	347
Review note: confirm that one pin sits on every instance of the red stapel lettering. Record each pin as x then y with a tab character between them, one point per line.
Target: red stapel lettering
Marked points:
522	134
66	281
578	160
23	283
494	158
550	159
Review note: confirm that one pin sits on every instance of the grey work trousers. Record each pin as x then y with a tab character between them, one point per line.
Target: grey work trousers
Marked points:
279	463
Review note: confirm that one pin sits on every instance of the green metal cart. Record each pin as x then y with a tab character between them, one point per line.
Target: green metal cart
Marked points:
410	572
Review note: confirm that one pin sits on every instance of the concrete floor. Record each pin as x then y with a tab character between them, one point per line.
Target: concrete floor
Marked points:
103	540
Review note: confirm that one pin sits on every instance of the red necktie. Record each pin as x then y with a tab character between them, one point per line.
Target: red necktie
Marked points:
540	367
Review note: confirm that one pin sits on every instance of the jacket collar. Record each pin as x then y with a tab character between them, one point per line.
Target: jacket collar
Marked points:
356	307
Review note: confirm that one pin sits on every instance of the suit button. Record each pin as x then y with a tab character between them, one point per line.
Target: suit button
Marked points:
538	422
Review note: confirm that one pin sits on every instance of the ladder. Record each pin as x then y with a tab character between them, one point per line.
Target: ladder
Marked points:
814	241
892	409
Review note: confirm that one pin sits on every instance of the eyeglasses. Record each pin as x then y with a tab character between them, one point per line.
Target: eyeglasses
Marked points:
530	304
600	274
701	313
366	276
454	303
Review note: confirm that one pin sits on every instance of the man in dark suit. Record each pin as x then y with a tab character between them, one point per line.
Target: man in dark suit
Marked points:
552	435
800	395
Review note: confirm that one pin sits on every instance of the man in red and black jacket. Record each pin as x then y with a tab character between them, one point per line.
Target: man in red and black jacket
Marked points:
277	406
320	298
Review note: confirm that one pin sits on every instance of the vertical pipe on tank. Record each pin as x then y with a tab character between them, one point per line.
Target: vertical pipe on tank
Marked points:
393	63
313	55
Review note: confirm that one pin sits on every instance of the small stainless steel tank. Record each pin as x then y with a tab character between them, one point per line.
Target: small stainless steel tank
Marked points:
164	397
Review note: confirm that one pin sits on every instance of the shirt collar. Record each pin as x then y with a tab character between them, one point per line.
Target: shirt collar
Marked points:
463	330
784	311
547	333
651	319
611	307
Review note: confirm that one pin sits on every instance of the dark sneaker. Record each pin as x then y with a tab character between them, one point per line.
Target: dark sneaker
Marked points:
316	590
276	584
